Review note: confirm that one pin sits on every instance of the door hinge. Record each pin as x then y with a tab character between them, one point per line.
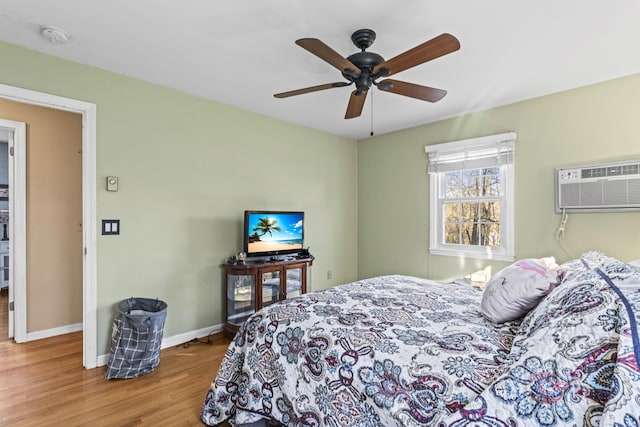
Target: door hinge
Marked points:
11	151
11	306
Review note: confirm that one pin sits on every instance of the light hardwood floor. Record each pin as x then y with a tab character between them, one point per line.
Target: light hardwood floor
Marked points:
43	383
4	315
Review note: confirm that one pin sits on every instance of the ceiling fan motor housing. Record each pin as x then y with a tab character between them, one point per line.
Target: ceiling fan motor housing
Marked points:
365	61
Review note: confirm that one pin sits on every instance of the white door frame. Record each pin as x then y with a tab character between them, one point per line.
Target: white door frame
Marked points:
89	224
16	162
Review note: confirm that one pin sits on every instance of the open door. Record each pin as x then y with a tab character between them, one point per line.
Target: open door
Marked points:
16	168
7	265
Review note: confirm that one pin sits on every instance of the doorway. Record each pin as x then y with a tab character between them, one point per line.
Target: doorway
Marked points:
6	323
14	220
89	304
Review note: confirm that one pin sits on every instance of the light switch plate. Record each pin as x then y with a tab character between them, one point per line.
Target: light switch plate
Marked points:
112	183
110	227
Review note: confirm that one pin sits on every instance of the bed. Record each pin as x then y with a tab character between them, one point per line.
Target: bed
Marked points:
400	350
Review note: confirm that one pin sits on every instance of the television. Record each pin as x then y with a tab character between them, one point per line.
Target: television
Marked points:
273	233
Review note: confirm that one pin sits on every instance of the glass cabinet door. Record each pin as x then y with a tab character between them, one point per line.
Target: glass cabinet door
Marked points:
4	280
270	287
4	263
250	286
240	298
293	283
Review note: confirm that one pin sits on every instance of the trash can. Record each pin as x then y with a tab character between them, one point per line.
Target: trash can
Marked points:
136	337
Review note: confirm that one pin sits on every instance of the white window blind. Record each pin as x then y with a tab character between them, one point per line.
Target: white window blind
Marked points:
484	152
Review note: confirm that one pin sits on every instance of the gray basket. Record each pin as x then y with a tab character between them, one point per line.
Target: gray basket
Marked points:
136	337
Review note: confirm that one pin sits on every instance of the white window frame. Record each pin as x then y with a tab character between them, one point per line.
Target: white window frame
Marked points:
465	154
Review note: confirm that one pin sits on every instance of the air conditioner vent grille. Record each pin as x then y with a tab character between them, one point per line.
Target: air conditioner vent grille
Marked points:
615	170
605	187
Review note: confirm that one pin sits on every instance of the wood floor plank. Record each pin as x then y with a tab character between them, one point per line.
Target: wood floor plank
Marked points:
4	314
43	383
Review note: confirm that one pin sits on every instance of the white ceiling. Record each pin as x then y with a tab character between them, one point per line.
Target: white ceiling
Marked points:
241	52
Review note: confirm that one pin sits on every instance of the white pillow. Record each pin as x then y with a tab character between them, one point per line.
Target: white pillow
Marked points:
518	288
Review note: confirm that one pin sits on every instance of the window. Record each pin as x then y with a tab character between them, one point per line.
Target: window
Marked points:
471	186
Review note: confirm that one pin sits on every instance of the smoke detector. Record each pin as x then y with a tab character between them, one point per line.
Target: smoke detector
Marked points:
54	34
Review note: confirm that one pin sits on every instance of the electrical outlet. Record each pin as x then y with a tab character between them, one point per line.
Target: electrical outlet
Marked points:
329	274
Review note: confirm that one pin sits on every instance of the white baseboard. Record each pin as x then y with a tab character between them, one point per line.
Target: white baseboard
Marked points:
173	340
48	333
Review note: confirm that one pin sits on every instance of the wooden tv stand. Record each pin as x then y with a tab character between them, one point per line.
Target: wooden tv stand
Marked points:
278	280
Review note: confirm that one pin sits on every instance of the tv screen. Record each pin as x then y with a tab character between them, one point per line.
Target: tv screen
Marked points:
273	232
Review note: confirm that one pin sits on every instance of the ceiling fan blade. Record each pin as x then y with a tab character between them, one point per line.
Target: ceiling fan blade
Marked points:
324	52
311	89
356	102
432	49
424	93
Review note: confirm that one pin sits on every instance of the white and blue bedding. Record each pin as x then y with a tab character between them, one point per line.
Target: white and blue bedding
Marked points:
398	350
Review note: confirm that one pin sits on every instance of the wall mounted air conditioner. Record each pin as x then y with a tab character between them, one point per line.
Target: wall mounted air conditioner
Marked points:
603	187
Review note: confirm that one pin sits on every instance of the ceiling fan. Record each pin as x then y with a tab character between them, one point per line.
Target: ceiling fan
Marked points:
364	68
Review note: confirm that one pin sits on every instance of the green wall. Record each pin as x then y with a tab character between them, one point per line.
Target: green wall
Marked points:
188	168
597	123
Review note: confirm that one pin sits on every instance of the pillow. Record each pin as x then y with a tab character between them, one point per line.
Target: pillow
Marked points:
516	289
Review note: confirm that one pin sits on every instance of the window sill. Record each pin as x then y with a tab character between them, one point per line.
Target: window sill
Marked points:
480	254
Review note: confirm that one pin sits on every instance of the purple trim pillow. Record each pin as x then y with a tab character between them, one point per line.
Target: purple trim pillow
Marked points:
518	288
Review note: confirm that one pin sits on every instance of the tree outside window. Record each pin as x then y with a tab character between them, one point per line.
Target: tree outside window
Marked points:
471	213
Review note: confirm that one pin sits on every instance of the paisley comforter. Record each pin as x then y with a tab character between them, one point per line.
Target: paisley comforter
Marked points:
398	350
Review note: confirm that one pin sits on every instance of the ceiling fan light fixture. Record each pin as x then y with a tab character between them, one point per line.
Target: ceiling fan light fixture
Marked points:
384	85
54	34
